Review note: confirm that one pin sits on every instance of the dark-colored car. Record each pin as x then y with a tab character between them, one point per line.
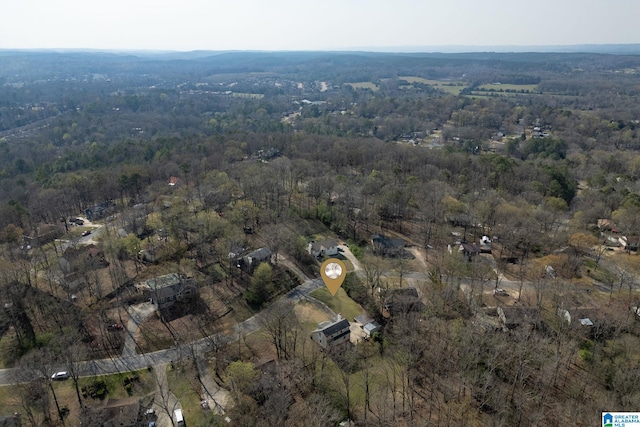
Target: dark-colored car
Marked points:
115	327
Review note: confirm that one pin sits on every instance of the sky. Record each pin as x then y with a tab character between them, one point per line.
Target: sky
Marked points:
403	25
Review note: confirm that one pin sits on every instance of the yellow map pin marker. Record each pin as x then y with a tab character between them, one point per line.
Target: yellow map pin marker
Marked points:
333	273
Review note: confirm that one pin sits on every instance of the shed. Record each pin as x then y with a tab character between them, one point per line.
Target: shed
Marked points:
368	325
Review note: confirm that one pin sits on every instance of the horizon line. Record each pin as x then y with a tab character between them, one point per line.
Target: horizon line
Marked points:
629	48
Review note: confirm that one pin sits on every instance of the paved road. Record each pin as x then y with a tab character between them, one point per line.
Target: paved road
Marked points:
130	362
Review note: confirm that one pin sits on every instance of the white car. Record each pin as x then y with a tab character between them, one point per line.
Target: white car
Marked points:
62	375
500	292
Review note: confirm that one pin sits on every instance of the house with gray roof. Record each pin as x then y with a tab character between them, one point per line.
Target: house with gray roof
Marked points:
253	259
327	247
166	290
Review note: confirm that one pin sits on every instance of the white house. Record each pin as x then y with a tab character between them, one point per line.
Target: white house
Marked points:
327	247
331	334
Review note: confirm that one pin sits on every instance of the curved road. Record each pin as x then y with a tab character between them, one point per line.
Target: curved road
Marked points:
131	362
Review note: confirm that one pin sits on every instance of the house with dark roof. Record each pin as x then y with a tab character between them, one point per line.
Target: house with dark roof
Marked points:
386	246
10	420
166	290
330	335
125	412
88	257
99	210
469	250
512	317
43	234
402	301
327	247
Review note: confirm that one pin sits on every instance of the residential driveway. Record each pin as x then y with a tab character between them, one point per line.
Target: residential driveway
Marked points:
164	402
137	314
357	333
282	259
348	255
216	396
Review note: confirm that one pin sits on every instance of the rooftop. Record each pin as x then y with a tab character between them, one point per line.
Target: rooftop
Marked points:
259	253
330	328
163	281
387	242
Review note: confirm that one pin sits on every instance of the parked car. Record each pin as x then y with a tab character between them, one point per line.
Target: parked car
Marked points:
177	415
86	232
500	292
59	376
115	327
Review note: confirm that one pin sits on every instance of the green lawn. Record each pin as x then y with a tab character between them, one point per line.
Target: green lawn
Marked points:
144	383
364	85
346	263
248	95
380	371
452	88
505	87
182	384
9	400
340	303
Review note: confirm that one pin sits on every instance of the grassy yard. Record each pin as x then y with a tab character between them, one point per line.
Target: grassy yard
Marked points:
9	400
452	88
183	385
248	95
342	258
142	382
11	396
508	87
309	316
346	262
364	85
340	303
380	371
